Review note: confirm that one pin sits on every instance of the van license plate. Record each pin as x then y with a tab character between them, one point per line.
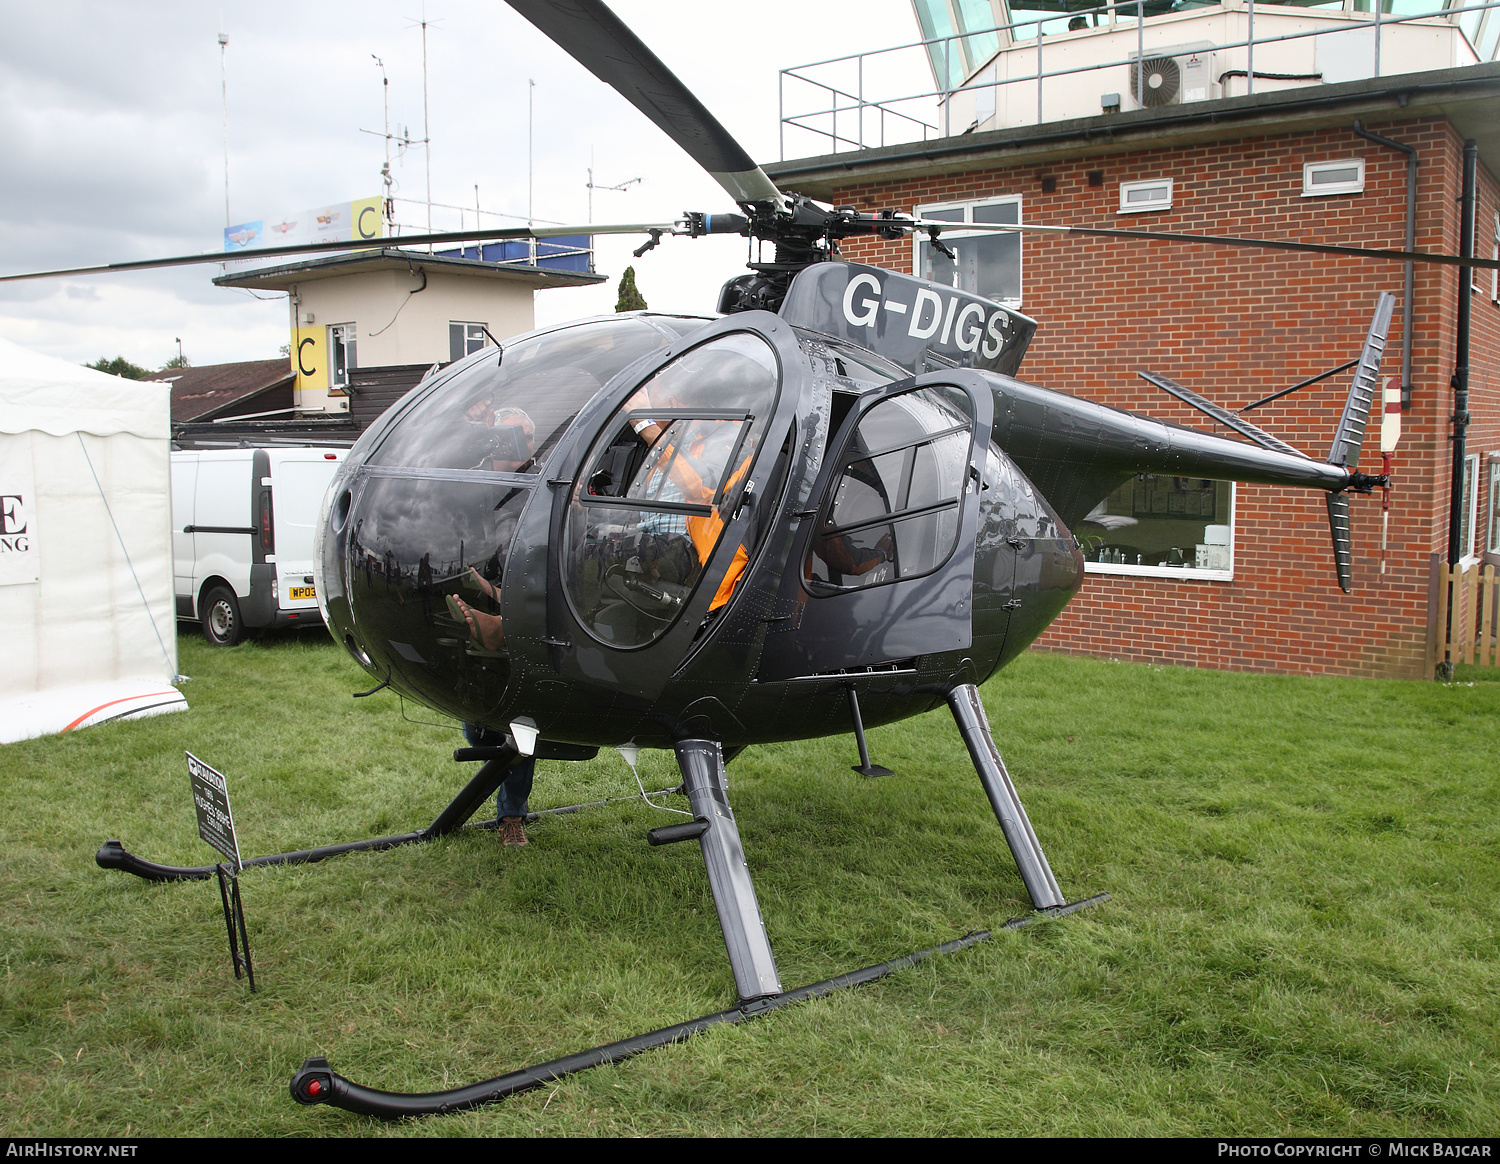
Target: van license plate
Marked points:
304	592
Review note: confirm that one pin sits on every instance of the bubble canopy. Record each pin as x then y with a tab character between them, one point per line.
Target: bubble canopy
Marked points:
505	412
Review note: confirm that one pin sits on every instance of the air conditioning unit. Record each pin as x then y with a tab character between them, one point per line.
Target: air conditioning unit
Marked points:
1173	76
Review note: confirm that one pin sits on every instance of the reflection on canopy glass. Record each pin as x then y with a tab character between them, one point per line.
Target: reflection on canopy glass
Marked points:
417	542
504	414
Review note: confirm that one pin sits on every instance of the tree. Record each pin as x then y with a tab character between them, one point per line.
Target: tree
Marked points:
176	362
119	366
630	298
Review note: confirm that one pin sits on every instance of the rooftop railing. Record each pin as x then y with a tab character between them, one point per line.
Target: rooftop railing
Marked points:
853	113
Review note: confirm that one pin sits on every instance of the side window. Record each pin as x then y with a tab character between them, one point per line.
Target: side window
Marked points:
464	339
341	357
893	510
651	501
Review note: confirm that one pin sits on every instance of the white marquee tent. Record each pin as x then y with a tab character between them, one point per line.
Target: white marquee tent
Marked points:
87	626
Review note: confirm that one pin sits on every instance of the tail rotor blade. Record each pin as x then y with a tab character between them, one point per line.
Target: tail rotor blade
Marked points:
1350	434
599	41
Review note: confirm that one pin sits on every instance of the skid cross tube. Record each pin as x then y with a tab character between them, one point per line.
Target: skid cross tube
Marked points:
316	1082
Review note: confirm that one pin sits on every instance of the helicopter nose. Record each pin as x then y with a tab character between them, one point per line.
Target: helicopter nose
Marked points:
332	543
414	565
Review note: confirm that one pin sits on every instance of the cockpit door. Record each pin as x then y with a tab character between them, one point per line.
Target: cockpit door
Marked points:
884	569
655	498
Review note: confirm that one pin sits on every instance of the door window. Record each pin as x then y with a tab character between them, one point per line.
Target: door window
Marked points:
894	510
652	499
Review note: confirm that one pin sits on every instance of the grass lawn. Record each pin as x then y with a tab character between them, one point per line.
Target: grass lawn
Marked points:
1302	938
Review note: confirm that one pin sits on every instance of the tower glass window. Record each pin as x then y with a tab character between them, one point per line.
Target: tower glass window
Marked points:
1162	526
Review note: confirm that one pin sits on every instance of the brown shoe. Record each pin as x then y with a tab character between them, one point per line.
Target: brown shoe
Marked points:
511	832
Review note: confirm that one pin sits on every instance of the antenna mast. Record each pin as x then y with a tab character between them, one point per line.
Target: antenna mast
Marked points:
592	185
224	93
426	131
385	171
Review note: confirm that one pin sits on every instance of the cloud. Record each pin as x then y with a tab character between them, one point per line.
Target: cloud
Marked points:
114	144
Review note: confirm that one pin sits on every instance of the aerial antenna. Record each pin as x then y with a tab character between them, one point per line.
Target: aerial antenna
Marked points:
530	125
423	23
592	185
224	93
403	140
389	207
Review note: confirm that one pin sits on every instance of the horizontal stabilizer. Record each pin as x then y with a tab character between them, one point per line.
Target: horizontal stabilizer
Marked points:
1222	415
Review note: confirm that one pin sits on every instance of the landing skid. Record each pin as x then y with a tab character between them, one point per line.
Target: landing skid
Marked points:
455	817
713	826
317	1083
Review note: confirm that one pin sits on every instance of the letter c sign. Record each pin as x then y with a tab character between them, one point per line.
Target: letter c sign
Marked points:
301	367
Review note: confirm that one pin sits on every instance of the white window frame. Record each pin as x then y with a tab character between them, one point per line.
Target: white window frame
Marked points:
1145	207
468	325
1495	251
1180	573
1471	507
341	336
957	231
1492	538
1355	186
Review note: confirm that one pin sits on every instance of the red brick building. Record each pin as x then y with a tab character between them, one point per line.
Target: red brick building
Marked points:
1236	324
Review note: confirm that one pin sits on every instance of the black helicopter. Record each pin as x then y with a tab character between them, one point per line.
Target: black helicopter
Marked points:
828	506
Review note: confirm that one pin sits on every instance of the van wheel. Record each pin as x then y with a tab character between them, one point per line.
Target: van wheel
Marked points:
222	625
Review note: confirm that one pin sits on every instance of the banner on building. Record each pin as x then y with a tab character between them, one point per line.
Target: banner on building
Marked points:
342	222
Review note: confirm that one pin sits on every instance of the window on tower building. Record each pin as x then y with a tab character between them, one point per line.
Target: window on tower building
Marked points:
464	339
986	263
1468	510
341	359
1492	543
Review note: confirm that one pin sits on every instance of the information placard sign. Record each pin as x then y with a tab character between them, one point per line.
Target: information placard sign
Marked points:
211	801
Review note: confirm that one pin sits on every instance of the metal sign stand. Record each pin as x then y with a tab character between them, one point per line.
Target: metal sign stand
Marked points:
234	922
216	827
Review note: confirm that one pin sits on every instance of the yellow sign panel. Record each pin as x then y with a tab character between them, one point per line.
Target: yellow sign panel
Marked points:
364	218
310	357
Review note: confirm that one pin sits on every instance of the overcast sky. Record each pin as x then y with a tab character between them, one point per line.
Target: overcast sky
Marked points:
113	144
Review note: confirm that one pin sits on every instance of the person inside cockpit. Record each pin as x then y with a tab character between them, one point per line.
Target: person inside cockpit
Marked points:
507	449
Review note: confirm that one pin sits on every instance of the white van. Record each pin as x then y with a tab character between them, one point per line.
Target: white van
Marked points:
242	536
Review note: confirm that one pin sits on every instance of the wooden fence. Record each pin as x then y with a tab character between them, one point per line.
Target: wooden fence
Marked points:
1473	598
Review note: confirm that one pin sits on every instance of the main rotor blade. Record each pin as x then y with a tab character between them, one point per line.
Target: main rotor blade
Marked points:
600	41
397	242
1218	240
